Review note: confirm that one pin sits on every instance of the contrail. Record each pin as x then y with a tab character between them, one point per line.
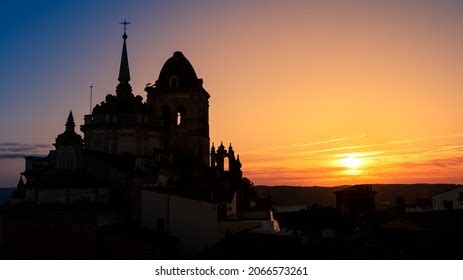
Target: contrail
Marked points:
274	148
383	144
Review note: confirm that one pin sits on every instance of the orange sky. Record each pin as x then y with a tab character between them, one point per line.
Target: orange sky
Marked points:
296	86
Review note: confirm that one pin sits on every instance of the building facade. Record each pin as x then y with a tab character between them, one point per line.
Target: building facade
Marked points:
451	199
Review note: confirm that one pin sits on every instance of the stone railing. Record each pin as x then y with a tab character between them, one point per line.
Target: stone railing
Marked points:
99	119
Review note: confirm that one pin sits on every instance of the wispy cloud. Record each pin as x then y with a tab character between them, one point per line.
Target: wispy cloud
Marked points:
299	145
12	150
406	141
434	159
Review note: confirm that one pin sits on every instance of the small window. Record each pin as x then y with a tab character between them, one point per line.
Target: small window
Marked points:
173	82
226	164
179	118
460	196
180	115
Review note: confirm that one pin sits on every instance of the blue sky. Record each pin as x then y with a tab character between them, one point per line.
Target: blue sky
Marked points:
51	51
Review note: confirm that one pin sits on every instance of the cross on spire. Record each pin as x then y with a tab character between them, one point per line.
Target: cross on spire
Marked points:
125	23
124	72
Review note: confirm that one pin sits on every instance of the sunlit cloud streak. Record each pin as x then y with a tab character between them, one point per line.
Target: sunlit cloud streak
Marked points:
385	144
299	145
12	150
396	161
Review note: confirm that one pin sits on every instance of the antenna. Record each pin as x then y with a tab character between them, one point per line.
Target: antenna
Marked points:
91	97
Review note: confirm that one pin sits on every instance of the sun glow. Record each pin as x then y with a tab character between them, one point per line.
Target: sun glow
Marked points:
351	162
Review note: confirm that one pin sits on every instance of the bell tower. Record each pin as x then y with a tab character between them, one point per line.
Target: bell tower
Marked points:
123	124
179	98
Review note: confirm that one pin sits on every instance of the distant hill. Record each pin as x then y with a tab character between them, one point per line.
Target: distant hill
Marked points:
294	195
386	194
5	194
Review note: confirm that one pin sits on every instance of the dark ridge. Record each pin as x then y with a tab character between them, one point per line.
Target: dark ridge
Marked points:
386	193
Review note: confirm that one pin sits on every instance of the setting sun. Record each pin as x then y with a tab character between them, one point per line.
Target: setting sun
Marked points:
351	162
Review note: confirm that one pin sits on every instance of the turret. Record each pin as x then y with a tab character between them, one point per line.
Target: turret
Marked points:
20	182
68	146
231	153
69	137
213	155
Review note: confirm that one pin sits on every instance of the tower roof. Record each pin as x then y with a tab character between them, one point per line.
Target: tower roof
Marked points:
124	88
125	102
177	67
69	136
124	71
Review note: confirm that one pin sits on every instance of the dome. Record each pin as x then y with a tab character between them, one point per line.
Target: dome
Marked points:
177	72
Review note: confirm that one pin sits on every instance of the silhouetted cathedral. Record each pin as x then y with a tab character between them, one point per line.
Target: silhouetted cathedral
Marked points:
150	162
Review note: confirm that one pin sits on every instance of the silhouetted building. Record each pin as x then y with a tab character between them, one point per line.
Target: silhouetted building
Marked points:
445	200
356	201
123	123
183	104
150	164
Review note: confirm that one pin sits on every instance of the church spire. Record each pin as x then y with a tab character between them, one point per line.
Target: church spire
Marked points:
124	71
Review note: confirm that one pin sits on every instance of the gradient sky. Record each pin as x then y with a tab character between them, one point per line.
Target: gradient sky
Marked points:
308	92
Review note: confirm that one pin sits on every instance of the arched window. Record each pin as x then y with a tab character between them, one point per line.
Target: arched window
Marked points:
179	118
173	82
226	164
180	115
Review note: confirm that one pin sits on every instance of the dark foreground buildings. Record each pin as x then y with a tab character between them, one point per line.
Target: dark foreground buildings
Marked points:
142	182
